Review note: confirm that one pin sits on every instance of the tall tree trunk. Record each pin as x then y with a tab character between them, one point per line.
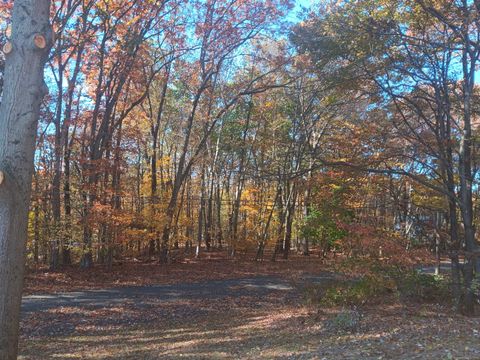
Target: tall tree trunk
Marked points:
281	227
154	130
466	180
289	216
116	201
167	228
263	240
456	270
306	213
36	224
104	231
189	227
235	216
57	167
68	144
209	213
67	259
241	182
153	190
219	217
201	213
23	91
288	228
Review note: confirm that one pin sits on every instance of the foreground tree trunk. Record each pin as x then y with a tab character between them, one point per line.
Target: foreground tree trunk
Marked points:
24	89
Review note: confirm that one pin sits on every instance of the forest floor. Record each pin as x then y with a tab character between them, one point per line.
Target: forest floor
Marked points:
222	309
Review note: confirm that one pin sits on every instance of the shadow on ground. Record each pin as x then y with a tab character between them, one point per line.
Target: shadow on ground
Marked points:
255	318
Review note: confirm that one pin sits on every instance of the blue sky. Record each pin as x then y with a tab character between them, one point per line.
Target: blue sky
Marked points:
299	4
305	3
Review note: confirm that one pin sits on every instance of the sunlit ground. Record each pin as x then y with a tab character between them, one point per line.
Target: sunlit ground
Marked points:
278	332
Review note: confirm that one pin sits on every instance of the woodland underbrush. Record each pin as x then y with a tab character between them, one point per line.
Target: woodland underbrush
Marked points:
380	284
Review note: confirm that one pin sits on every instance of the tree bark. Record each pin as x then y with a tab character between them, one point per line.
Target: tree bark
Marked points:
56	183
219	216
466	180
306	213
201	214
24	89
67	259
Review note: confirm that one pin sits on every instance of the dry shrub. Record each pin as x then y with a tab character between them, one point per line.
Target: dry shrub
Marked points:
367	242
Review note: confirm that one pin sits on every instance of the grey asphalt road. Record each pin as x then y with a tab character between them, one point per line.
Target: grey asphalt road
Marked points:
445	267
261	285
